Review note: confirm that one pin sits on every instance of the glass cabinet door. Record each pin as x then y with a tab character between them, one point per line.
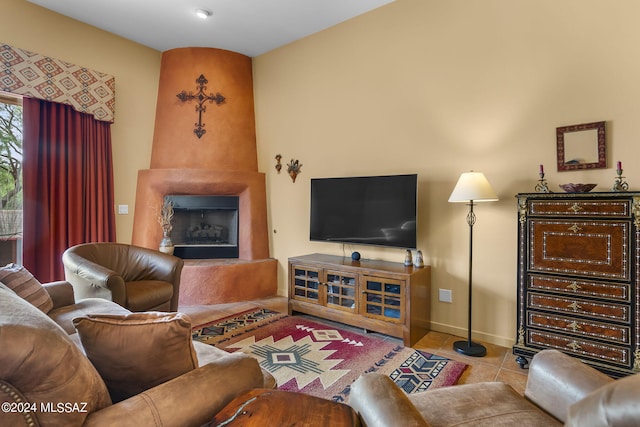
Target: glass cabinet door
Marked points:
306	284
341	290
383	299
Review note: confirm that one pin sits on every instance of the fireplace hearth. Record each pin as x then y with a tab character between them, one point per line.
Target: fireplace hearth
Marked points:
205	226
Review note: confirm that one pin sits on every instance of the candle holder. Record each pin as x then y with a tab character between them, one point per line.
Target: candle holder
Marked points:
618	183
542	186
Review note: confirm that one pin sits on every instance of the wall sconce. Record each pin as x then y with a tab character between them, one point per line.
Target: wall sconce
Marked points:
278	164
294	169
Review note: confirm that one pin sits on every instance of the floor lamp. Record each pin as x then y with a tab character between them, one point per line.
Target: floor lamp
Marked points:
471	187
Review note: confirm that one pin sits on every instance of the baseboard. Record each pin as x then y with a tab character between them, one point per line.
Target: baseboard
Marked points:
462	332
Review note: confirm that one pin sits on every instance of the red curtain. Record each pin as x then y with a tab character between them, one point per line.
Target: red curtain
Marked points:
67	184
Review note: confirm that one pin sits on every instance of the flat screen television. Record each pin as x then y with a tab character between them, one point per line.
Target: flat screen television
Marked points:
368	210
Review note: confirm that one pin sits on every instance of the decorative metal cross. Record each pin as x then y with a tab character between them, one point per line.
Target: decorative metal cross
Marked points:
201	97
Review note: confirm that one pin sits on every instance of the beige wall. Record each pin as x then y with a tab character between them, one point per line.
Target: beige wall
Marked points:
436	87
136	69
440	87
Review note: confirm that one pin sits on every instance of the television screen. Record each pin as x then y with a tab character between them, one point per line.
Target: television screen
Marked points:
373	210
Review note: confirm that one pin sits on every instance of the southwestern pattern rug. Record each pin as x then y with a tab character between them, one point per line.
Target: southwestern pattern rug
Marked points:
322	360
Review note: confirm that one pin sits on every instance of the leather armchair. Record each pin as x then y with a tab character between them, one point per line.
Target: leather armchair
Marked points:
560	390
136	278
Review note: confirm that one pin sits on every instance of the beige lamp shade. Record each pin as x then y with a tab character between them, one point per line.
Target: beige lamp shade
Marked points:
473	186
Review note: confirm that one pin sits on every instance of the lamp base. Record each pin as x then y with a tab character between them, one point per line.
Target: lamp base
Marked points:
475	349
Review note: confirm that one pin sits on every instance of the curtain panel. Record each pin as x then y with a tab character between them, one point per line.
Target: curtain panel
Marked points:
38	76
68	184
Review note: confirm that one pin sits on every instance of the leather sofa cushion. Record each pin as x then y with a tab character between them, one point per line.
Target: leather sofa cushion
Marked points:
490	404
22	282
613	405
64	316
137	351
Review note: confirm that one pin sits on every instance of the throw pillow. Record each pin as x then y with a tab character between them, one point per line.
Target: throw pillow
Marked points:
21	281
137	351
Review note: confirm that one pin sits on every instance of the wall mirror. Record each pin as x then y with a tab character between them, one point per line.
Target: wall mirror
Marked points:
581	146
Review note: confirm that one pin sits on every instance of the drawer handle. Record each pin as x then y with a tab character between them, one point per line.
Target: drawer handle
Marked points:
575	228
574	326
574	346
576	208
574	286
575	306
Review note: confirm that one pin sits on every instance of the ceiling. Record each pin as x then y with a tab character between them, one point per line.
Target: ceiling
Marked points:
250	27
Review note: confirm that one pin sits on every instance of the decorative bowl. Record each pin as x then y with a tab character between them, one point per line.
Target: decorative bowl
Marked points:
577	188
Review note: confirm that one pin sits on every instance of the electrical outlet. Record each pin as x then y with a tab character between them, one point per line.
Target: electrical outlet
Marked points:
445	295
123	209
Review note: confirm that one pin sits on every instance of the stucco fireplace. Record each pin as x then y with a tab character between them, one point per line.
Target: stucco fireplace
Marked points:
220	160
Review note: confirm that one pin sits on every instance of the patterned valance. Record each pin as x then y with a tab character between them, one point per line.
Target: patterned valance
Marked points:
38	76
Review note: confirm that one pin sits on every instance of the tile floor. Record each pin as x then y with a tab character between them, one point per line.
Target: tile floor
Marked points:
498	365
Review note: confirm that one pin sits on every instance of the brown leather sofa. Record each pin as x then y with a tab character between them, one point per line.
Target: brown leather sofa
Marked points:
138	279
560	390
46	379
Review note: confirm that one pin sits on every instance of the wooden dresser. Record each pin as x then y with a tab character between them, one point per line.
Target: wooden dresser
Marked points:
579	278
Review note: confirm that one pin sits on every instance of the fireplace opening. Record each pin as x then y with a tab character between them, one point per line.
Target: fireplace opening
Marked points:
205	227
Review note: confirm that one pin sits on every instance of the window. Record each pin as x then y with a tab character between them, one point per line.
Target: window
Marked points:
10	179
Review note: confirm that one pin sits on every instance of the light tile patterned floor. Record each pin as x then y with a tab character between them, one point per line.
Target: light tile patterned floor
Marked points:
498	365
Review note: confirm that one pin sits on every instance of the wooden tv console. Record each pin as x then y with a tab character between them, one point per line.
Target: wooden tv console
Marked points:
381	296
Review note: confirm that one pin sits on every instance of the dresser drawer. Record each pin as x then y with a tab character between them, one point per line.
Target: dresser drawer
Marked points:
579	307
588	288
588	329
580	347
583	208
586	248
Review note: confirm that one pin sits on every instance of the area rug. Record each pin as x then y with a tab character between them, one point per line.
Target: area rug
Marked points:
322	360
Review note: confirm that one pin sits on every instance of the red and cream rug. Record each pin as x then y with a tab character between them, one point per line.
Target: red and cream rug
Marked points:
322	360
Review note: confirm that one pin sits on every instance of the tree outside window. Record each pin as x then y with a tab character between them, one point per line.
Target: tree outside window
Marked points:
10	182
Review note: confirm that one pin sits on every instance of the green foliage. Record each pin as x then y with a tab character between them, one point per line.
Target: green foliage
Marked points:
10	156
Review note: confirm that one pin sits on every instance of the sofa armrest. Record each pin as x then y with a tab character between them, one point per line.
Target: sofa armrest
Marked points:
380	403
615	404
61	293
191	399
557	380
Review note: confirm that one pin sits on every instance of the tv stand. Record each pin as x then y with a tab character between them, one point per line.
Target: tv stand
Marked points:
381	296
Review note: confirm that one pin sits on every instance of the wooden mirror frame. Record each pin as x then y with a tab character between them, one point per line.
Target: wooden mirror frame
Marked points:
600	142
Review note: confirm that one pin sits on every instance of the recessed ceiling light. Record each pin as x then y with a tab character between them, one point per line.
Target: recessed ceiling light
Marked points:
203	13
